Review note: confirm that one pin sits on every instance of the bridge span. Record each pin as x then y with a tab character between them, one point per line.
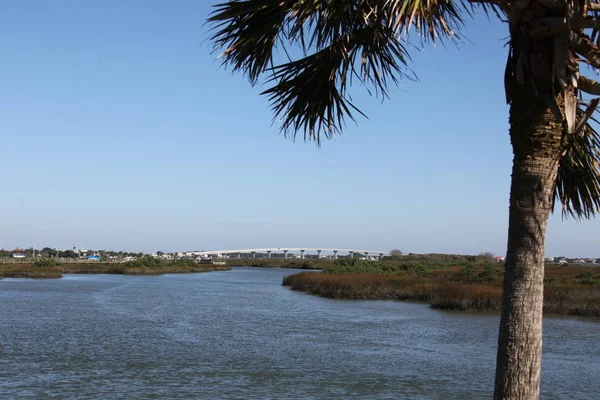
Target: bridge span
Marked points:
286	250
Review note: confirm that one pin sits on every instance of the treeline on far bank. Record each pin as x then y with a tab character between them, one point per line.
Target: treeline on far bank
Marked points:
413	262
147	265
446	283
278	263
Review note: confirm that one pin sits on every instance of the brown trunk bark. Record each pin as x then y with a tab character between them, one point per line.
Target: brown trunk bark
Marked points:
536	135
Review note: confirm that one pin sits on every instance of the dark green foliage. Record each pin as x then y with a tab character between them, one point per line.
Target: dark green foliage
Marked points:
148	262
429	261
486	256
67	254
48	252
304	264
468	271
261	264
588	278
489	274
149	265
183	263
49	268
355	265
415	264
45	263
281	263
418	270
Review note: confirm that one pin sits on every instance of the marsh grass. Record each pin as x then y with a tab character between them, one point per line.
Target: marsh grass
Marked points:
280	263
143	266
28	271
567	292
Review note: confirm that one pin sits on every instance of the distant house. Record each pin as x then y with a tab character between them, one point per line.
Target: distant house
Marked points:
18	255
499	259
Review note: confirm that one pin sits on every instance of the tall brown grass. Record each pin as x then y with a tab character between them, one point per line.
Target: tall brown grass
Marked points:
30	271
27	271
449	290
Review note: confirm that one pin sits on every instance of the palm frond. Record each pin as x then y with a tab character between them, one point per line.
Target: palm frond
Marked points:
310	94
578	180
307	96
247	30
340	41
432	19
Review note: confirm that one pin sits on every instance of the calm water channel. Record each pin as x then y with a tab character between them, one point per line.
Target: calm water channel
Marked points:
241	335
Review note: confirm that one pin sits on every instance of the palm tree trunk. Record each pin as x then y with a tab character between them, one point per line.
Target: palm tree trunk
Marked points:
536	135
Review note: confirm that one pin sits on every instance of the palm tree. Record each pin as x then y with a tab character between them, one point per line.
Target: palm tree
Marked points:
556	151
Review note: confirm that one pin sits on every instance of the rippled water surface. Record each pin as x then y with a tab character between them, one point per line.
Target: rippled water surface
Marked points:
241	335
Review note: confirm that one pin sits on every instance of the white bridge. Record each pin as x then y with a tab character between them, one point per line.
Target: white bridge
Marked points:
285	250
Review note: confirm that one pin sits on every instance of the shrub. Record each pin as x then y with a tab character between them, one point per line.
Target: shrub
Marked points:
309	264
355	265
147	262
183	263
417	270
570	291
46	263
489	274
588	278
261	264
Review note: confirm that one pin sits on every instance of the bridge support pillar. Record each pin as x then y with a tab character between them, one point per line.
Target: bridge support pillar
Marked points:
268	253
380	256
351	254
302	254
253	254
285	254
367	255
335	254
319	254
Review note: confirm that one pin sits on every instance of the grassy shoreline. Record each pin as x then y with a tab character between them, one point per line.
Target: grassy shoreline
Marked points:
146	266
570	290
279	263
446	282
143	268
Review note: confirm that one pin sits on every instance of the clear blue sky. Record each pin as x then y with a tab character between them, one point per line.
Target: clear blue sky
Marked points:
120	130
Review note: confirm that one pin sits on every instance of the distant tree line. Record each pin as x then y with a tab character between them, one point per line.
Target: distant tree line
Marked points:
48	252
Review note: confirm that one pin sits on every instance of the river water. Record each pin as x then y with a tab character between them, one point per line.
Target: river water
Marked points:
241	335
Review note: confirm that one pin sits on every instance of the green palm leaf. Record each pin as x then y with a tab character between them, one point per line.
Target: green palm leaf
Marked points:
343	40
310	94
339	41
247	30
578	180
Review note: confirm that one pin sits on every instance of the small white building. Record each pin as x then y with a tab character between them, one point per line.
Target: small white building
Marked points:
19	255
